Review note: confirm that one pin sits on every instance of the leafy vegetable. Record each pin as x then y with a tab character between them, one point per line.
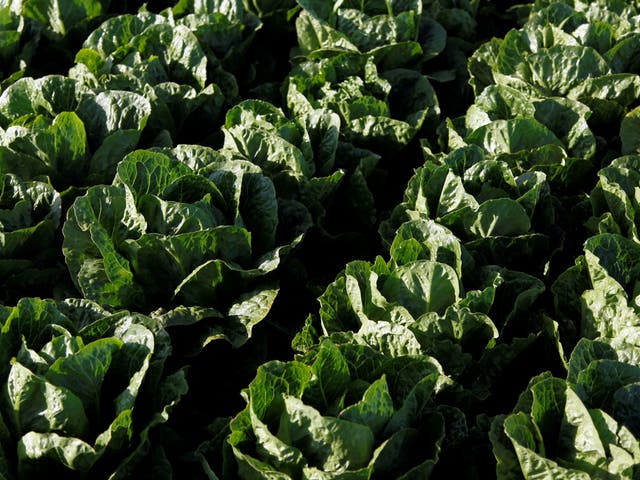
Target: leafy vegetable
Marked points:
76	387
165	236
502	215
29	218
381	110
341	411
56	127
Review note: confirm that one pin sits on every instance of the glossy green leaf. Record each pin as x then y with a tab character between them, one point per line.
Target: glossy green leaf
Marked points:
332	443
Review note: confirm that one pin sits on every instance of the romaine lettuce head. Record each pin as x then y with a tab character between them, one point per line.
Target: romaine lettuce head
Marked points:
582	51
503	216
30	214
55	127
600	24
550	135
194	46
83	388
340	411
11	30
165	236
583	427
560	436
614	199
52	21
306	160
27	98
38	37
395	34
528	123
610	306
145	43
185	63
379	111
418	304
389	33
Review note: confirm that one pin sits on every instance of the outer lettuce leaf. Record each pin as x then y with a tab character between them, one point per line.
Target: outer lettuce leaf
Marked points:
510	136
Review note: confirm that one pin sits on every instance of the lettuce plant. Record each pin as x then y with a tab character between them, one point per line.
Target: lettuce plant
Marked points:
584	426
185	61
424	302
548	134
614	200
123	46
306	160
30	213
556	430
55	127
340	411
595	298
164	60
433	37
75	398
576	52
211	238
395	34
11	29
40	37
377	110
503	217
387	32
